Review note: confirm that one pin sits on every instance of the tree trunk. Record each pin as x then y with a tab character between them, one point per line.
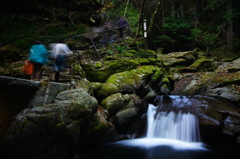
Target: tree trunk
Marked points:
230	27
173	9
163	13
195	18
140	19
125	12
153	17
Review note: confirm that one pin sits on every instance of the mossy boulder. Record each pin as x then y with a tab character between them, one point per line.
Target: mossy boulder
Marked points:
124	109
200	65
225	85
106	90
113	103
130	81
133	107
116	102
78	70
80	102
84	84
174	59
229	67
100	71
96	86
56	129
217	119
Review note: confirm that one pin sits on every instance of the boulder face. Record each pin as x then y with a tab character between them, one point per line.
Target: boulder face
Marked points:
124	110
173	59
141	81
59	127
218	119
201	75
100	71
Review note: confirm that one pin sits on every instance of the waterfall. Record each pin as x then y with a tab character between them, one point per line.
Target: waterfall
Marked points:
172	123
173	117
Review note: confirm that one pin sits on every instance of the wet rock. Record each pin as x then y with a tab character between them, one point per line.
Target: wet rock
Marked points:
218	119
56	129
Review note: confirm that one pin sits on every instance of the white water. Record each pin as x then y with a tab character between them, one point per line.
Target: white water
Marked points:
172	125
155	142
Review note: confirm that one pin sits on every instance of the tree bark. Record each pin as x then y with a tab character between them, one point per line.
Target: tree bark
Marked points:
230	27
195	7
154	17
140	19
125	12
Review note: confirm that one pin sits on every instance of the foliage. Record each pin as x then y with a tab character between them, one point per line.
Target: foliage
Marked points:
186	24
180	25
131	14
164	39
17	33
48	21
174	32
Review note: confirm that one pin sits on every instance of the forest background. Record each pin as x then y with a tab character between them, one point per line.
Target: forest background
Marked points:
172	25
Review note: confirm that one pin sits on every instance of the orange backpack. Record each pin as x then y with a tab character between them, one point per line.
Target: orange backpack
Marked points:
28	68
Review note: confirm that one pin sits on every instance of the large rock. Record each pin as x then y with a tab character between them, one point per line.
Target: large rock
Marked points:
174	59
218	119
55	130
17	83
225	85
46	93
223	81
140	81
100	71
124	111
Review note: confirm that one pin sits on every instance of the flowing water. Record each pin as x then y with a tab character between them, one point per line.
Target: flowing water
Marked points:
173	124
172	133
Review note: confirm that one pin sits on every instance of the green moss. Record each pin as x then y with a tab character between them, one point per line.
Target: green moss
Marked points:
78	70
100	71
159	73
165	80
143	70
122	65
129	80
106	90
129	55
113	103
146	53
132	51
143	61
203	65
217	79
100	127
96	86
98	64
122	77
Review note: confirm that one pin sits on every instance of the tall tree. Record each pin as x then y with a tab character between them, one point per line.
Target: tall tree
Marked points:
154	15
230	25
140	19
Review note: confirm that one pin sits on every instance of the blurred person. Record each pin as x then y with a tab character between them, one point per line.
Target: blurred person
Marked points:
59	52
122	23
38	57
